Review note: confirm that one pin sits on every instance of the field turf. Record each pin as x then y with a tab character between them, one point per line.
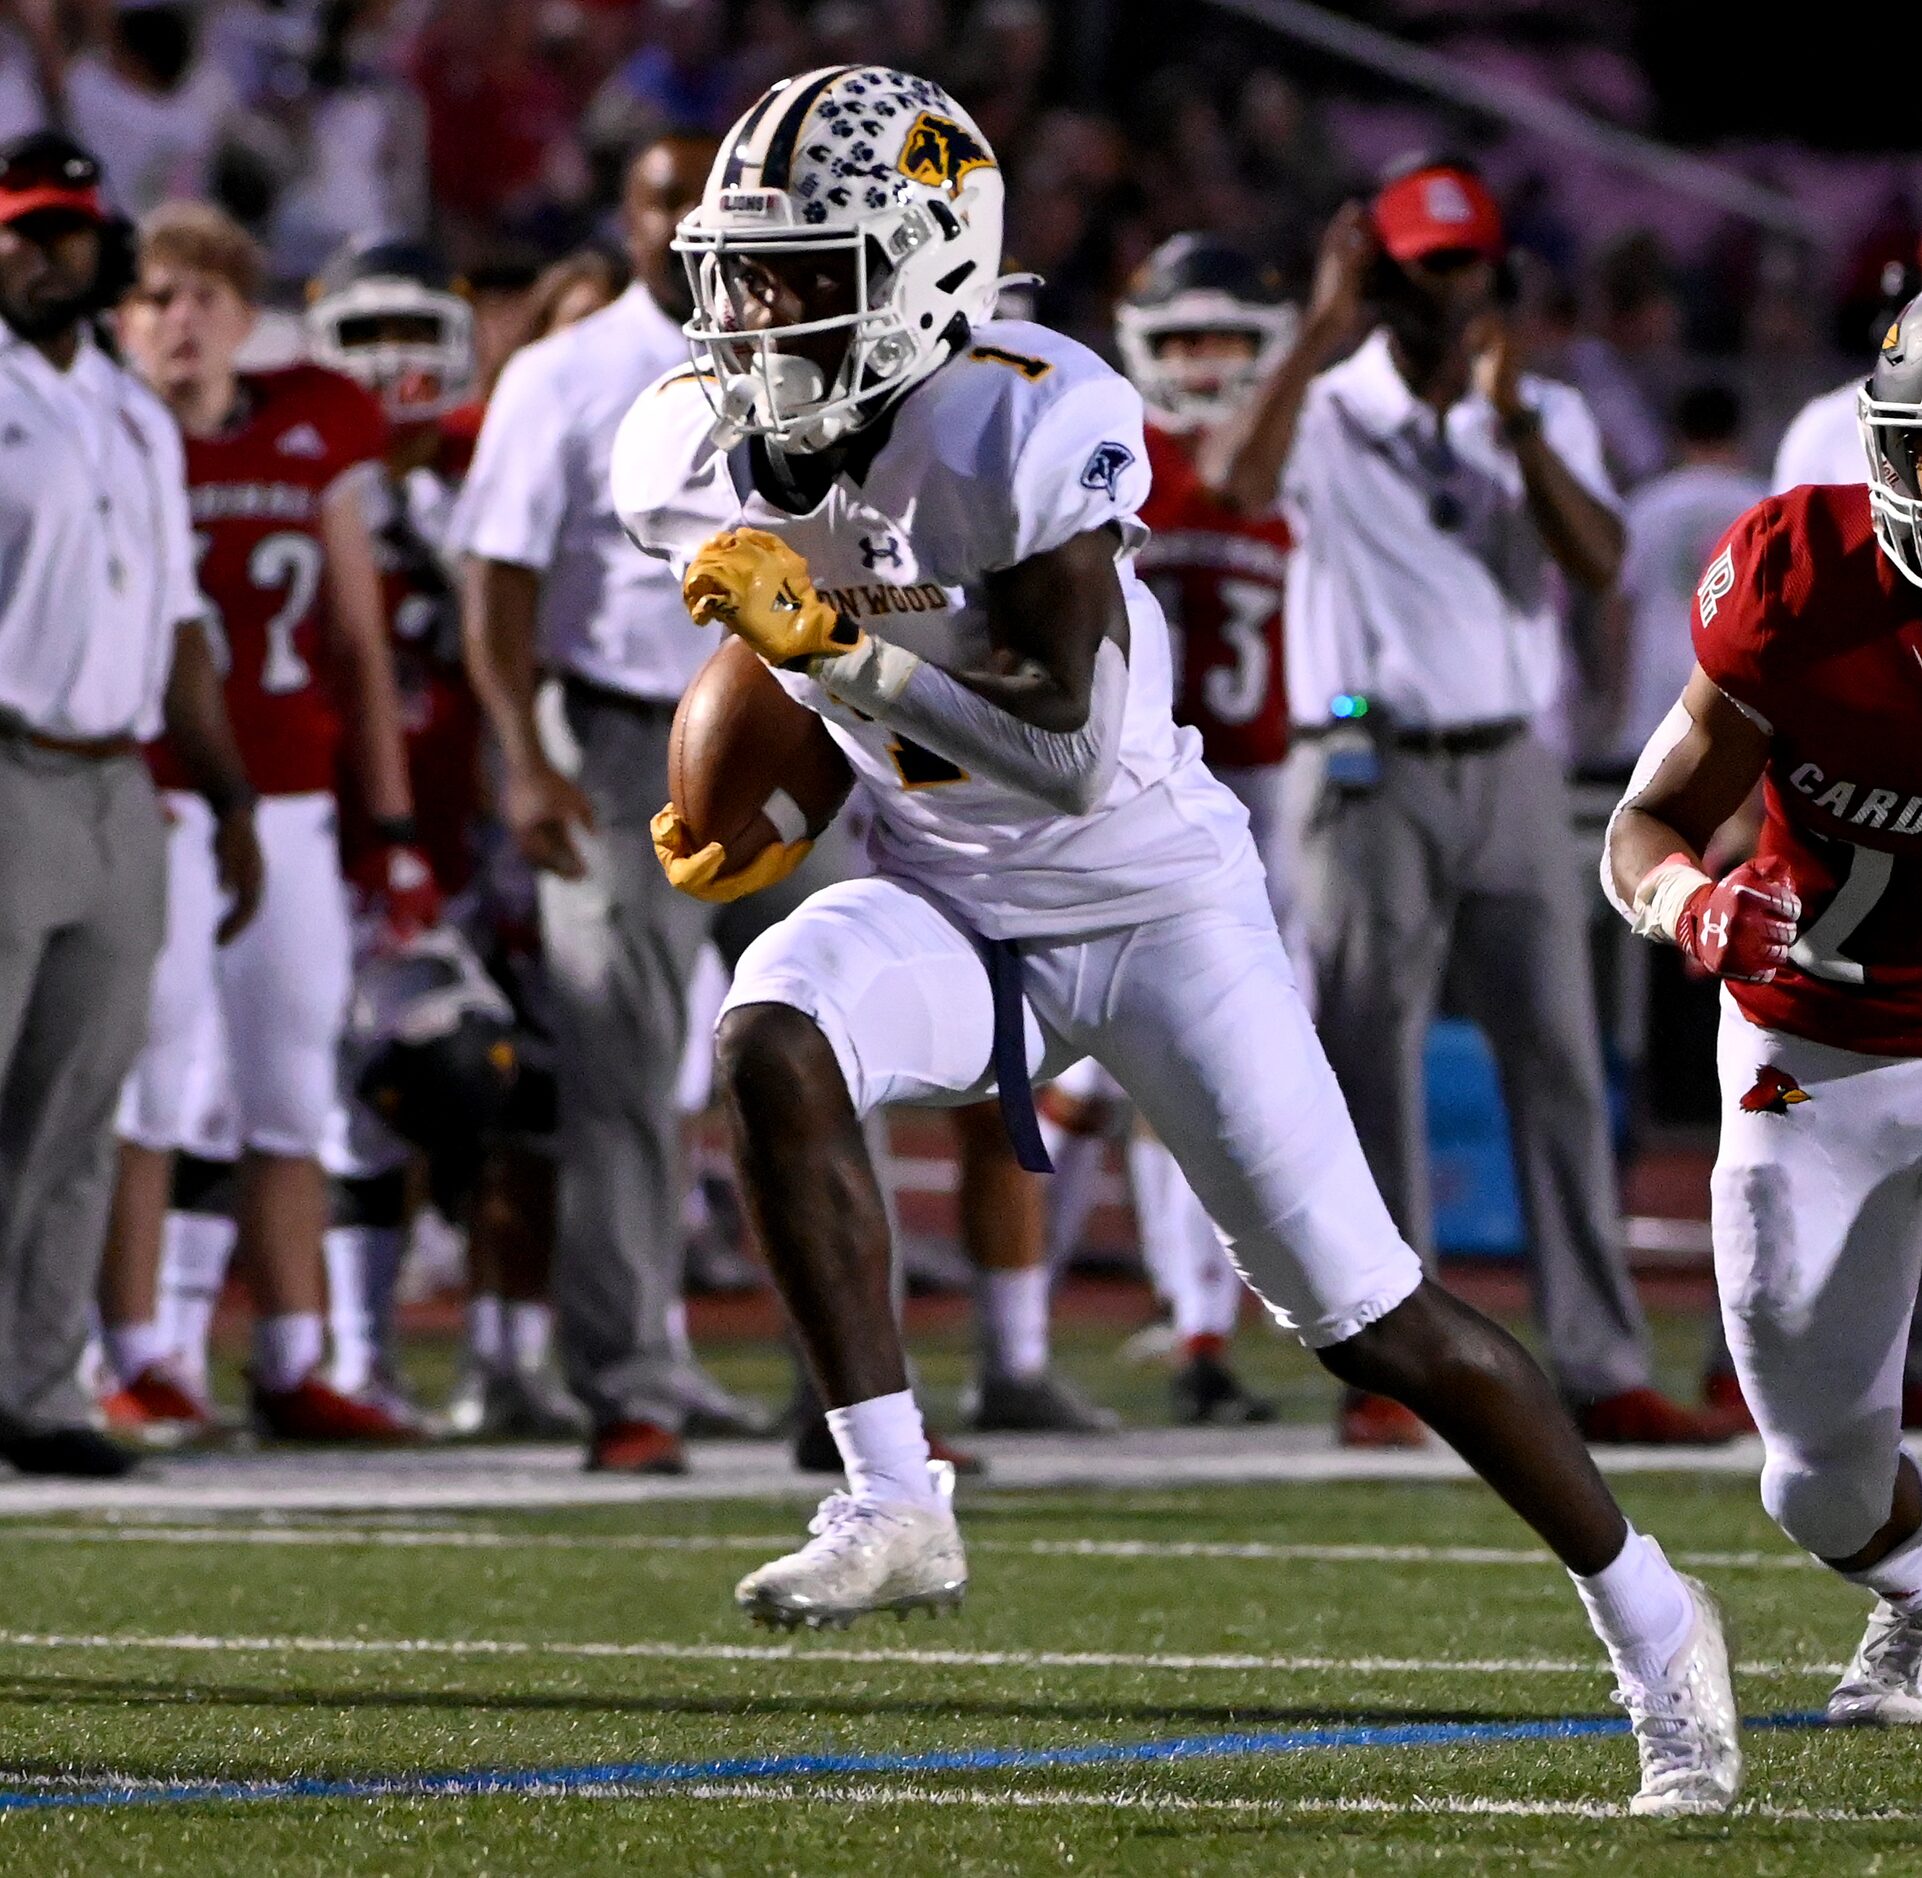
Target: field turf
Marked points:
1363	1677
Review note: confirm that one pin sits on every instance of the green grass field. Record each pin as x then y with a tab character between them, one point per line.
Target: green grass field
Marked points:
143	1660
405	1646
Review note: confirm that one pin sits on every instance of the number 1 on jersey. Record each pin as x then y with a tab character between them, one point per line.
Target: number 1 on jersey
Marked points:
922	769
1819	950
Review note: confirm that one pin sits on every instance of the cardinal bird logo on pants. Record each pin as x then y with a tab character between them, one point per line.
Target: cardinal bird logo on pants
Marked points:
1774	1091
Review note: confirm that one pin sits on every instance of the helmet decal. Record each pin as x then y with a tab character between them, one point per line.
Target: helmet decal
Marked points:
940	152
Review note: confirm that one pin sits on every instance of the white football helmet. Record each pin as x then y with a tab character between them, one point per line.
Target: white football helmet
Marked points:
1195	284
865	169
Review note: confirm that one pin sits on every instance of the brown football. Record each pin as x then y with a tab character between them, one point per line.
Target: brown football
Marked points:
737	739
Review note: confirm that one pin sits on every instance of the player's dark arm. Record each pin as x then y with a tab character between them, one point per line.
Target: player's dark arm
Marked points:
364	657
500	613
1697	771
1043	714
195	713
1240	462
1577	527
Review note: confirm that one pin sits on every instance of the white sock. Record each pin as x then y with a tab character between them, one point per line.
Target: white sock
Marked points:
1640	1608
486	1332
1072	1190
530	1329
195	1254
677	1338
1014	1320
133	1349
1179	1245
349	1328
1898	1578
288	1349
884	1448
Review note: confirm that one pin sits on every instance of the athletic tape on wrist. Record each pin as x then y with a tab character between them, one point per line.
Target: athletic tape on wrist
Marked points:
1666	888
870	678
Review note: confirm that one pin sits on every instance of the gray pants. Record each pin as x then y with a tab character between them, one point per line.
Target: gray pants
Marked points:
1468	861
620	950
82	912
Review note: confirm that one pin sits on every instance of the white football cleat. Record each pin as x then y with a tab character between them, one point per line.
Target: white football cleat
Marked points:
866	1555
1687	1728
1882	1686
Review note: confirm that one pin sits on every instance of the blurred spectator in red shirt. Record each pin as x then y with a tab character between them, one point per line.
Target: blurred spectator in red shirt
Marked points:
500	147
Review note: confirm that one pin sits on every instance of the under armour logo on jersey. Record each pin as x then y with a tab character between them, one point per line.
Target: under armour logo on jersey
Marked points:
1105	466
1775	1089
302	440
1716	585
878	548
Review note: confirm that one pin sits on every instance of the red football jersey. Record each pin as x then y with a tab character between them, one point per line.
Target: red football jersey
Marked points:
1801	618
1219	578
256	492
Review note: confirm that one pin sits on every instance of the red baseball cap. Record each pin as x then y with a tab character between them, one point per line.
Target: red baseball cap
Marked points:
45	170
1436	209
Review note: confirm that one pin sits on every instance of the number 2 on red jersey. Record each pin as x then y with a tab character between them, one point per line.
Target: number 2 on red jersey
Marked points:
289	564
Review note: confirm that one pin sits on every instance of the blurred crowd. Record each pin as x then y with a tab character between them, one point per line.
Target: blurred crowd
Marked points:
499	128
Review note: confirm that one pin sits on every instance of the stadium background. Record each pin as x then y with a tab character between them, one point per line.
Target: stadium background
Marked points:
1673	225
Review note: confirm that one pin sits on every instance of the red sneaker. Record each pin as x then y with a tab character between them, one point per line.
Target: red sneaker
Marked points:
315	1411
1646	1418
965	1465
1722	1394
156	1405
1377	1421
636	1448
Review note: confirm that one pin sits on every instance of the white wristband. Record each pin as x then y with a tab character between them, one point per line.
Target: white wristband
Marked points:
1659	900
870	677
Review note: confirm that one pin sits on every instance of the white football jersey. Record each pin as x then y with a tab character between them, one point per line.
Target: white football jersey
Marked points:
1013	447
1823	443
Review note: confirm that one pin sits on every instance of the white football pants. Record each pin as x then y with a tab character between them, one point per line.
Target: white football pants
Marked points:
1197	1017
1817	1208
280	989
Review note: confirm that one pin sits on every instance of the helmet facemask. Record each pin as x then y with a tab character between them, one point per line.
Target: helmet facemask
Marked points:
411	346
1892	438
785	378
1197	391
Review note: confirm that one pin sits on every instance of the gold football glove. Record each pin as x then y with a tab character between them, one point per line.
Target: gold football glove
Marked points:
697	871
758	587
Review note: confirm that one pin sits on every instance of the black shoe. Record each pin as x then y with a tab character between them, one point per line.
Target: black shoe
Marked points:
1047	1404
71	1453
1206	1390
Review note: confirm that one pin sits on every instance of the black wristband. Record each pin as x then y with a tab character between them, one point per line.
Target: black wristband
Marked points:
231	798
1520	425
397	831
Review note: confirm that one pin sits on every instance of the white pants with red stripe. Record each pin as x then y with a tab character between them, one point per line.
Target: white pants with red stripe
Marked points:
1197	1017
1817	1206
271	1004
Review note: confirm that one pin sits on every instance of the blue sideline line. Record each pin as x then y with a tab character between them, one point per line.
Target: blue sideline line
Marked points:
644	1774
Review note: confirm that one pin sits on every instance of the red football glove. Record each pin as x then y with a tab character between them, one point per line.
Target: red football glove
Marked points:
1743	925
398	886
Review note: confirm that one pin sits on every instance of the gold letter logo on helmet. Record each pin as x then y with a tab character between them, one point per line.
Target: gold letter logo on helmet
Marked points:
939	153
1890	339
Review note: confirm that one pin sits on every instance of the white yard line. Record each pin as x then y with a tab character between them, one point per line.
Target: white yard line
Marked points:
189	1643
455	1538
874	1793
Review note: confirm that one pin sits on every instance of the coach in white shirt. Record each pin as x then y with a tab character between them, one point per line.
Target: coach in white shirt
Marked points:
580	648
1440	497
101	647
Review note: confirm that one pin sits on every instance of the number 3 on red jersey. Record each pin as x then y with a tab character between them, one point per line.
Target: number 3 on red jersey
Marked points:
290	564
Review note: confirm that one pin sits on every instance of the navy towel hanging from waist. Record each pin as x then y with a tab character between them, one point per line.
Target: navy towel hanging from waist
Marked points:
1016	1092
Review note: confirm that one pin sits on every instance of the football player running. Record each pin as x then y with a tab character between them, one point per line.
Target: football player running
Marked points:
925	521
286	564
1808	645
